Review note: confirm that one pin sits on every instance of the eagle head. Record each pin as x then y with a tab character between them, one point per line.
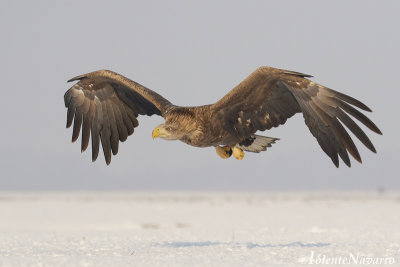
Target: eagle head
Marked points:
167	132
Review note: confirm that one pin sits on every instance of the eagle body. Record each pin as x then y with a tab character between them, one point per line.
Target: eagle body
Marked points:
194	124
106	105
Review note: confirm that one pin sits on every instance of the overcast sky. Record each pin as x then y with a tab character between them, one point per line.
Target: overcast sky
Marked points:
193	53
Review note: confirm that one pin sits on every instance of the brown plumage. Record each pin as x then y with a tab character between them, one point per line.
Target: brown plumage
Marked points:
106	106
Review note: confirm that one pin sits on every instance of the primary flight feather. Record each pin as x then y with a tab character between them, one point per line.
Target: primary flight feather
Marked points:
105	105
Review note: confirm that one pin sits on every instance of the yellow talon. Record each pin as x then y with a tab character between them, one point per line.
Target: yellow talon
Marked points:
238	153
224	151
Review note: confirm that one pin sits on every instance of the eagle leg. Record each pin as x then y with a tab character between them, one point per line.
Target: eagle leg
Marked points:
238	153
224	151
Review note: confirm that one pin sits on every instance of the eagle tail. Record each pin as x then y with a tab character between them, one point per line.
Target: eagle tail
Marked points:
257	143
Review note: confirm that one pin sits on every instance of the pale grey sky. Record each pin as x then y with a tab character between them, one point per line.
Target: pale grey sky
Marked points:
193	53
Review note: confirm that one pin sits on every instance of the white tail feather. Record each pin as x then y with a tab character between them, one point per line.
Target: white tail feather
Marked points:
260	143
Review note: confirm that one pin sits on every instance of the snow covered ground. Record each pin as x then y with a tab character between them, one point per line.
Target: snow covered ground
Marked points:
199	229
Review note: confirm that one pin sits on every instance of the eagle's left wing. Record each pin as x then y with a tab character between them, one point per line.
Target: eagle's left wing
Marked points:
106	105
269	96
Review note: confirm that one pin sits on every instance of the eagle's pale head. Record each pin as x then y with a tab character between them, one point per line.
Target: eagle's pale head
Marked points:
167	132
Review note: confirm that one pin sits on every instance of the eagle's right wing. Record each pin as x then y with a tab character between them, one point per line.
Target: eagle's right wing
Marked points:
269	96
106	105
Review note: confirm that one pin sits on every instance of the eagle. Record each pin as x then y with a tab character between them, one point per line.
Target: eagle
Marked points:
106	106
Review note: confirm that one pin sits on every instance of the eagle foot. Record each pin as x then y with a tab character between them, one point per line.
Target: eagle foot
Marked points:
238	153
224	151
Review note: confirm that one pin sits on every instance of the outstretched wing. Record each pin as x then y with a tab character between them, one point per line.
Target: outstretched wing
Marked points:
106	105
269	96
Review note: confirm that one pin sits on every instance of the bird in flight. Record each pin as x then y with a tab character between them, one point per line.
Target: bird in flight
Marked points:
106	105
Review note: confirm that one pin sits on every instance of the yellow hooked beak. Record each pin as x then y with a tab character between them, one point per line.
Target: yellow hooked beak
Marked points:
158	132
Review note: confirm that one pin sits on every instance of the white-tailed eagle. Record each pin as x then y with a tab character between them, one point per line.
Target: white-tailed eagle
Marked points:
106	106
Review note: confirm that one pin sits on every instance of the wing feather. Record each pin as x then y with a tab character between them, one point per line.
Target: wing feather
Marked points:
87	123
105	134
335	110
77	124
126	121
346	98
122	131
360	117
70	115
96	128
113	127
340	133
319	126
355	129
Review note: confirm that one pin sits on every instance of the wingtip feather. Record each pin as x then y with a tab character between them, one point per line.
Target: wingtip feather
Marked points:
76	78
